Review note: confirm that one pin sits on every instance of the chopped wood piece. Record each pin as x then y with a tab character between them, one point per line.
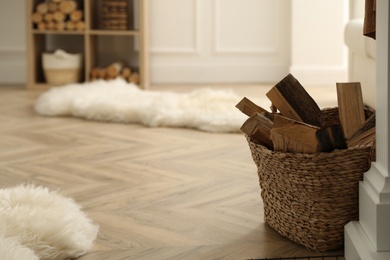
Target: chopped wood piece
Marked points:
331	138
60	26
289	135
258	128
79	25
351	107
249	108
292	100
365	135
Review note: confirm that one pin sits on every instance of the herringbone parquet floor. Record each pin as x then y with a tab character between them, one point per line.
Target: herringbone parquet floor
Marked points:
156	193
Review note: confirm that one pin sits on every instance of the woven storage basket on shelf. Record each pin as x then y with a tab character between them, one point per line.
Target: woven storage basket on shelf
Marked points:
308	198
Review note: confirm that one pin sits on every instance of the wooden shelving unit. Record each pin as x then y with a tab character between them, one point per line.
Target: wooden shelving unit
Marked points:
99	47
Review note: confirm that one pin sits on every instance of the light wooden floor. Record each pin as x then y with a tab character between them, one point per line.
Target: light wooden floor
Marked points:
156	193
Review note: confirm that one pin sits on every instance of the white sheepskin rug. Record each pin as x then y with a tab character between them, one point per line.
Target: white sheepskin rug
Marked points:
118	101
36	223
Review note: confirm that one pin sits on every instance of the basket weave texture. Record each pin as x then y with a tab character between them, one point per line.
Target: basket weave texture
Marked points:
308	198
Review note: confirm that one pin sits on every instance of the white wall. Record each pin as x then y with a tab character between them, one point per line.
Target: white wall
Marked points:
318	54
12	42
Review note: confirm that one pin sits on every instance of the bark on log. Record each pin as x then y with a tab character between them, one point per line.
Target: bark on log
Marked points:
292	100
258	128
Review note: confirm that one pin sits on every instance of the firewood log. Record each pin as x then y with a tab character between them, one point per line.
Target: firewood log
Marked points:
126	73
134	78
292	100
48	17
60	26
294	136
42	8
50	25
351	107
249	108
69	25
67	6
258	128
52	6
41	26
76	15
114	69
36	17
79	25
94	73
59	16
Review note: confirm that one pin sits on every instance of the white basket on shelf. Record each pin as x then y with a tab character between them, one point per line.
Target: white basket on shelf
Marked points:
61	67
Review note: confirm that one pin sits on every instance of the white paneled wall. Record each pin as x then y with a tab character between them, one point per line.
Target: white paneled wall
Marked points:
12	42
208	41
218	41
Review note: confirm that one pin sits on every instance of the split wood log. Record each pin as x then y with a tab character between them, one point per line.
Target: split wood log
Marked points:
60	26
67	6
294	136
350	106
292	100
42	8
331	138
258	128
365	135
36	17
249	108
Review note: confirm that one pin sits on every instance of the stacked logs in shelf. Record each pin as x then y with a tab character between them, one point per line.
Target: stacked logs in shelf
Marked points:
114	15
58	15
117	69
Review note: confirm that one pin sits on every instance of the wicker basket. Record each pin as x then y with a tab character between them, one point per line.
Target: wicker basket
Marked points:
308	198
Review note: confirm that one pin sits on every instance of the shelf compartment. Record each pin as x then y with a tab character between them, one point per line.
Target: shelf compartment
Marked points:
49	43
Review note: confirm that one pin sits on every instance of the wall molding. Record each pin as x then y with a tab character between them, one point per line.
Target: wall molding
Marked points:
12	65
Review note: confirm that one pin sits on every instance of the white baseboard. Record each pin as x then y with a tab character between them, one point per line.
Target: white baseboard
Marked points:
12	65
214	74
320	75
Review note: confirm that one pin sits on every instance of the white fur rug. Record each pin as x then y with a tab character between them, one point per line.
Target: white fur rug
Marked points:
117	101
36	223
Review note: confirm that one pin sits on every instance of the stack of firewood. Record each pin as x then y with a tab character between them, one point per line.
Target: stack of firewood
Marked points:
114	70
296	123
115	15
58	15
